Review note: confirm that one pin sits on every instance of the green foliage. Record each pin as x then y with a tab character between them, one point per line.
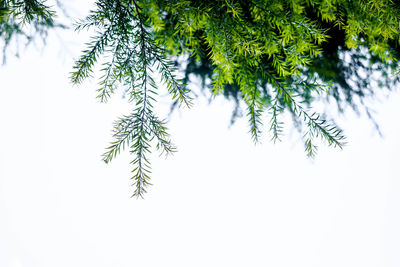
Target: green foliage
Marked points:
354	73
267	52
26	11
272	55
24	19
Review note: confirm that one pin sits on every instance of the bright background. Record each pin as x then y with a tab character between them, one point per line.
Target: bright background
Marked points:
219	201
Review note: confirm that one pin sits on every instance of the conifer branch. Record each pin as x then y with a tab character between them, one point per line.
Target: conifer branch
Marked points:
254	113
124	132
275	127
316	126
83	66
110	78
175	87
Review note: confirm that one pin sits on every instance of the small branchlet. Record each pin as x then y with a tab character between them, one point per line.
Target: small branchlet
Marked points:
316	127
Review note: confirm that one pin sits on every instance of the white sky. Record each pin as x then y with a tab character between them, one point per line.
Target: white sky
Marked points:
219	201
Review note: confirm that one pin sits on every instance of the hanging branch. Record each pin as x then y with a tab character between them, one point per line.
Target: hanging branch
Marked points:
316	127
133	54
